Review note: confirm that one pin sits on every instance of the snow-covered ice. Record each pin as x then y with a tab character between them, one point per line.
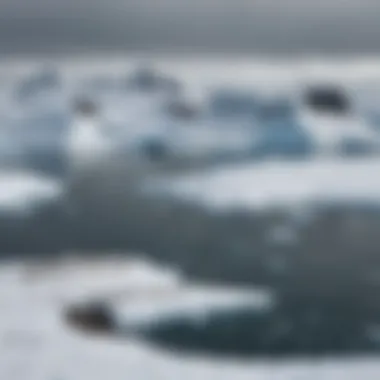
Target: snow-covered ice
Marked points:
22	192
36	345
276	183
195	301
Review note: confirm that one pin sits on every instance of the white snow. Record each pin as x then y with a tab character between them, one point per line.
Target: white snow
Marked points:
328	132
22	192
192	300
87	144
276	183
36	345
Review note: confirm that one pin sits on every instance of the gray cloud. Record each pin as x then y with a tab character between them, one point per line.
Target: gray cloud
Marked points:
270	26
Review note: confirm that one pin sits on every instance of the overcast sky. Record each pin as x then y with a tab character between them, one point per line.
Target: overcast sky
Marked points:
247	26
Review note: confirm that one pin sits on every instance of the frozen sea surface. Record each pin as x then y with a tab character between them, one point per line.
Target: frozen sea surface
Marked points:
36	345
